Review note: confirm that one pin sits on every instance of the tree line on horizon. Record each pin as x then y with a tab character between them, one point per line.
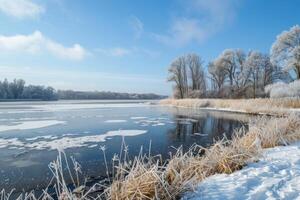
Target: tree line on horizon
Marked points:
17	90
239	74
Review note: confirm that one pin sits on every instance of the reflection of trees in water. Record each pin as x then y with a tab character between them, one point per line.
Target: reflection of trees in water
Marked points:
202	132
209	113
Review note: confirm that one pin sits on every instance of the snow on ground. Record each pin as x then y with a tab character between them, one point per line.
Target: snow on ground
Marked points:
30	125
275	176
65	142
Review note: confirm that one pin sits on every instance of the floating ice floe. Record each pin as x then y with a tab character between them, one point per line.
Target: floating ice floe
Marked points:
200	134
144	121
41	137
138	118
13	142
115	121
67	142
30	125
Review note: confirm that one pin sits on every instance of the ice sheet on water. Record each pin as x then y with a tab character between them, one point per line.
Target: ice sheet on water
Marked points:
115	121
66	142
24	125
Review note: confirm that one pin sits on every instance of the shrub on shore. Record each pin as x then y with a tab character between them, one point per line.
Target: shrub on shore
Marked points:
281	90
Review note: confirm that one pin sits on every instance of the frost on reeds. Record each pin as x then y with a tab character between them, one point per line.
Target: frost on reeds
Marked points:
278	106
148	177
183	171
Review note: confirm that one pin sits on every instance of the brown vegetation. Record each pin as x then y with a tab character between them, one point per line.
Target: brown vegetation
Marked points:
252	106
149	180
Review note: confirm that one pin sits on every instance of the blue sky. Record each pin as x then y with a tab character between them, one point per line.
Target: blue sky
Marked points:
126	46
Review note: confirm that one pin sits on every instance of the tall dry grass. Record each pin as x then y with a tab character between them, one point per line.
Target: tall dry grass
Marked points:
147	177
280	106
149	180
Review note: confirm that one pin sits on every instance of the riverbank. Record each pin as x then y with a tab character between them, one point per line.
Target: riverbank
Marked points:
275	176
277	107
184	171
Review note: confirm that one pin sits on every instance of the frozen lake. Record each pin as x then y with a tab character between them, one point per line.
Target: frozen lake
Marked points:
31	133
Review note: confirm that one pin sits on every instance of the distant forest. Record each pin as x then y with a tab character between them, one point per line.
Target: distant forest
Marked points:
17	90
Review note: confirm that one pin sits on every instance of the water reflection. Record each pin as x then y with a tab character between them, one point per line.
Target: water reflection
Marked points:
203	128
166	128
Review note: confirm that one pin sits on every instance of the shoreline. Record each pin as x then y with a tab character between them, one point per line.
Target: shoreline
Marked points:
185	170
274	176
267	107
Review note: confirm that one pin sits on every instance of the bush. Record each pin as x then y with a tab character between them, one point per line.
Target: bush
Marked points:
280	90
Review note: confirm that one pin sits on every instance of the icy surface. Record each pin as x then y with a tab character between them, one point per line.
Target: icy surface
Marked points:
116	121
29	125
65	142
275	176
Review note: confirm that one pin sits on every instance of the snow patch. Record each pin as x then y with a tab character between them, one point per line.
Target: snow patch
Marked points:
275	176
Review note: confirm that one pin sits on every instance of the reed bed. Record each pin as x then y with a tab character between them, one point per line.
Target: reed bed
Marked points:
183	171
280	106
147	177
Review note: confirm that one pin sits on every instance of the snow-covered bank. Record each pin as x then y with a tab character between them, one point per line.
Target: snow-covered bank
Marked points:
275	176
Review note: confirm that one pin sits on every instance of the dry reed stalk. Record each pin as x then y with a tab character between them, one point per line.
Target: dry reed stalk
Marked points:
280	106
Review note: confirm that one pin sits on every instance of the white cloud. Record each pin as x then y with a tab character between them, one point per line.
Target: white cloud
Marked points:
21	8
137	26
115	52
37	42
121	52
203	19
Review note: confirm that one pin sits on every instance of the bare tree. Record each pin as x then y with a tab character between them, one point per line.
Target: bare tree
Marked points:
285	50
262	71
197	74
217	75
178	74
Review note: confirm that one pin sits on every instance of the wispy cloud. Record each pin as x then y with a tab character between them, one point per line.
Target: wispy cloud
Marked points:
115	52
137	26
21	8
201	20
122	51
37	42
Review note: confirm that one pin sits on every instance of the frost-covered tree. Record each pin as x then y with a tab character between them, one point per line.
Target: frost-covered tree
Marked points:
232	63
226	63
260	70
178	74
217	76
286	50
16	87
196	71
